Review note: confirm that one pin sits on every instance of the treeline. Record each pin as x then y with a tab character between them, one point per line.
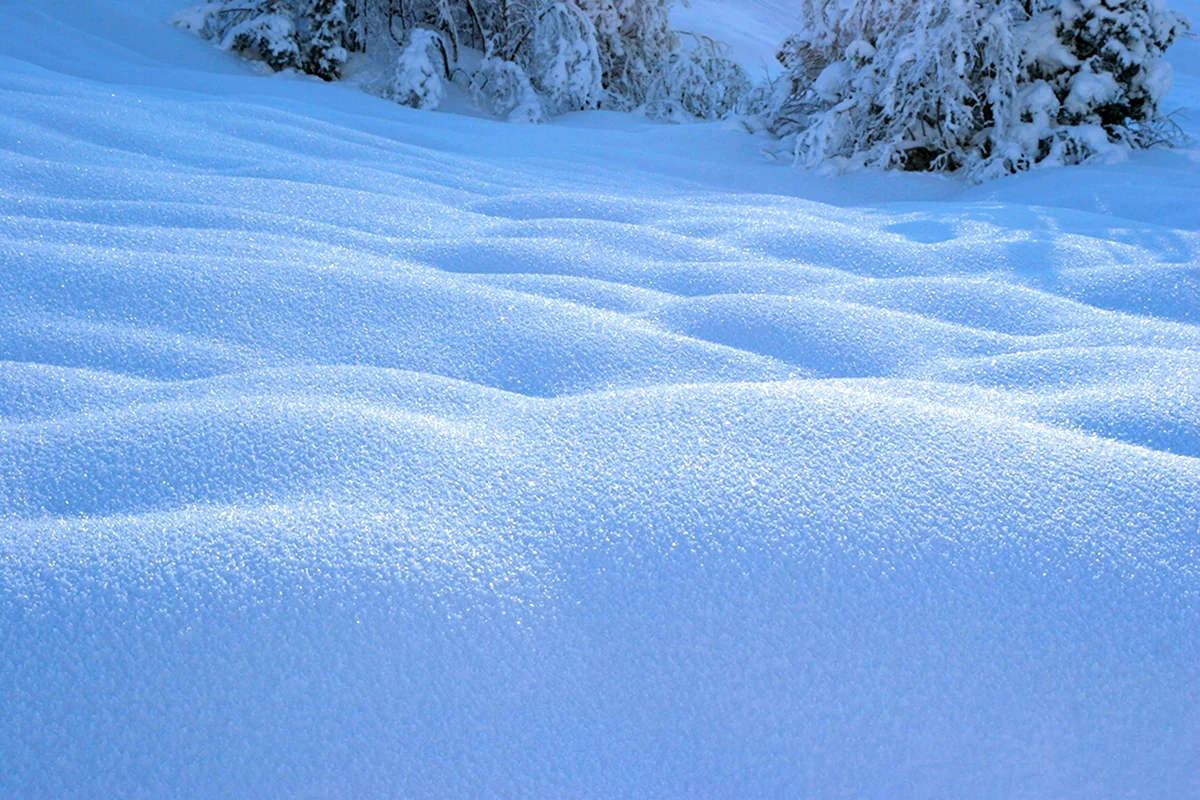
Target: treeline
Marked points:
986	87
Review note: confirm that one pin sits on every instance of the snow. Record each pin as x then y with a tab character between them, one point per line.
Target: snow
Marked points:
1089	89
752	30
353	450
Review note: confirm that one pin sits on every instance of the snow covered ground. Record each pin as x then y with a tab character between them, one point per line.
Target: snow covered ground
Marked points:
348	450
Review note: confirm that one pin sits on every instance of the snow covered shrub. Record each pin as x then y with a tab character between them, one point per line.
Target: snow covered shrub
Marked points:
576	54
417	79
700	83
316	36
504	90
634	39
562	58
259	29
520	59
985	86
580	54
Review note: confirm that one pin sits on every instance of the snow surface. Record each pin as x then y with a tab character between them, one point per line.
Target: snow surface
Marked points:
348	450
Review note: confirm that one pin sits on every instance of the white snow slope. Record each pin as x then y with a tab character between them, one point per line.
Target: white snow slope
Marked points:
348	450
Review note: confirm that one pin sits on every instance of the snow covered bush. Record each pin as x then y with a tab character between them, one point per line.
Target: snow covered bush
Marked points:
417	79
519	59
562	58
986	86
259	29
504	90
700	83
315	36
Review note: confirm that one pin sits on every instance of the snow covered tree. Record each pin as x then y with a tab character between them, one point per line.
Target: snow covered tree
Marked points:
986	86
634	39
562	58
325	45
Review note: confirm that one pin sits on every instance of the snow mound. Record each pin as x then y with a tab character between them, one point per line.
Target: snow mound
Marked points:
353	450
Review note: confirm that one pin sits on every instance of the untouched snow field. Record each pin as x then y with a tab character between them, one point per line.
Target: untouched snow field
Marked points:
348	450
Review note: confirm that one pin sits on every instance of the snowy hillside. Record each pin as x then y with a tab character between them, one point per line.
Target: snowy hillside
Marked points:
349	450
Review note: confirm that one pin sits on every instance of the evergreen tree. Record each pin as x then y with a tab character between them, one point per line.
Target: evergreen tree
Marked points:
986	86
326	43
